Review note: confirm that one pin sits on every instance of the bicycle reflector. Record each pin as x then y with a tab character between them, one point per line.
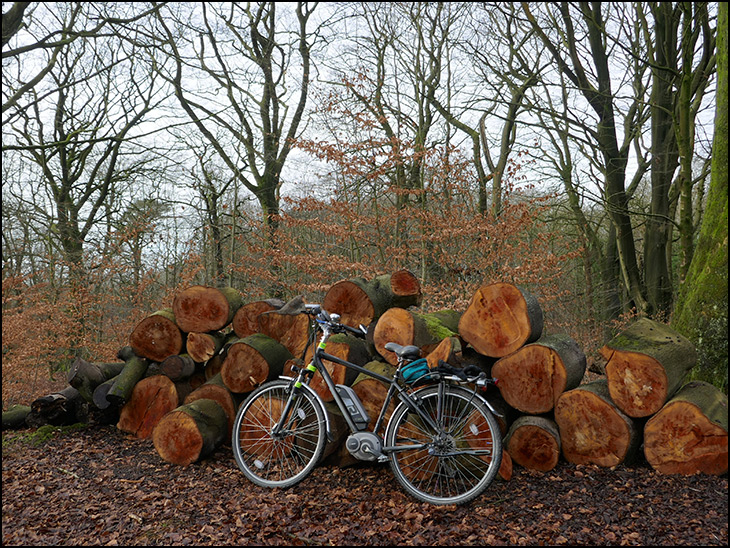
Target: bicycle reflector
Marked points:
415	370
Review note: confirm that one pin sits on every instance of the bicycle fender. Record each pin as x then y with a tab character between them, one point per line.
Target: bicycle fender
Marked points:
327	427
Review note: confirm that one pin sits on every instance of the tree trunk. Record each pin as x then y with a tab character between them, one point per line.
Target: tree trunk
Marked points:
60	408
178	367
532	378
359	301
646	365
190	432
121	389
15	416
292	331
246	320
592	429
152	398
534	443
201	308
157	336
689	434
345	347
251	361
501	318
405	327
215	390
203	346
371	392
86	376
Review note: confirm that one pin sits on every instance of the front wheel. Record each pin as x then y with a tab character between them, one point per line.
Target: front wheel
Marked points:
286	457
450	457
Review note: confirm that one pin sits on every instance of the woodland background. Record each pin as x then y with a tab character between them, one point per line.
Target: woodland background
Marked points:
576	149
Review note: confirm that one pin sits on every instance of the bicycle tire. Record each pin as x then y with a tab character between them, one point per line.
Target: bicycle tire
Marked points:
286	459
453	465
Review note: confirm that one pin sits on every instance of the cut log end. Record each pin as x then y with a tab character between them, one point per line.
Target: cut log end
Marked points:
202	309
156	337
177	439
351	302
534	443
637	383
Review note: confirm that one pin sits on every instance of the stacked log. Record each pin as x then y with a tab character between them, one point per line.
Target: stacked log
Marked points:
188	368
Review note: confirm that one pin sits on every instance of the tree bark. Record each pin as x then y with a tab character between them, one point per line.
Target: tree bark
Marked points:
121	388
151	399
14	417
157	336
592	429
501	318
359	301
646	365
251	361
190	432
60	408
689	434
532	378
534	443
202	309
86	376
406	327
214	389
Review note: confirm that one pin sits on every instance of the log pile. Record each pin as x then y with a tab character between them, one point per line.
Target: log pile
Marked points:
187	369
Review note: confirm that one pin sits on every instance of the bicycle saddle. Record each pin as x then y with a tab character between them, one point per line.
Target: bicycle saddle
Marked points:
408	352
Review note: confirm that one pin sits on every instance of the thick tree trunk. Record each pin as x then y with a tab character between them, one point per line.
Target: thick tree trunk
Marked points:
532	378
60	408
246	320
14	417
501	318
592	429
157	336
201	308
86	376
534	443
359	301
252	361
152	398
178	367
214	389
646	365
689	434
190	432
406	327
371	392
121	388
345	347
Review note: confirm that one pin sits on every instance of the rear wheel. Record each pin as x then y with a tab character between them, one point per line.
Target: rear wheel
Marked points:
453	456
285	458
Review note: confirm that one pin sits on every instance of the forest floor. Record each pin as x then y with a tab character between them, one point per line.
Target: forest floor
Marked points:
98	486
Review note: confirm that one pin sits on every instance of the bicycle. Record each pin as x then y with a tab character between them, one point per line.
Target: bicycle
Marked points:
442	440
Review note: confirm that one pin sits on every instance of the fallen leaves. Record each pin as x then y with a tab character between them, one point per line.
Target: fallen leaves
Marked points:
99	487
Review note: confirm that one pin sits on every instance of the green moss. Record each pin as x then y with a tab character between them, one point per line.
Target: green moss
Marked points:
40	435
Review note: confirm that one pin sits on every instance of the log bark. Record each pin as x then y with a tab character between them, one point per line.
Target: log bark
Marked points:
14	417
689	434
360	301
251	361
121	388
157	336
214	389
593	430
532	378
85	376
202	309
190	432
59	408
246	320
501	318
405	327
178	367
646	365
533	442
151	399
